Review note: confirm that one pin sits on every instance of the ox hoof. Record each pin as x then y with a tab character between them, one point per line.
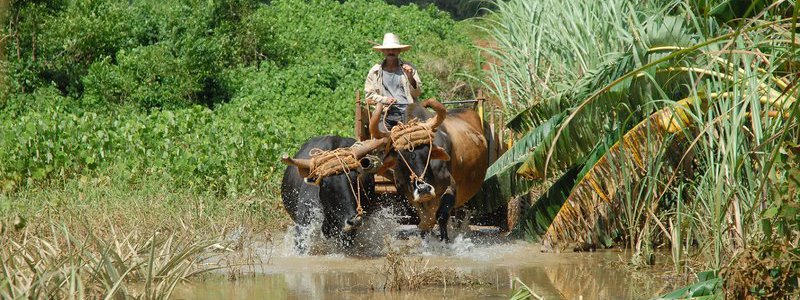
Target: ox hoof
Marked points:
444	238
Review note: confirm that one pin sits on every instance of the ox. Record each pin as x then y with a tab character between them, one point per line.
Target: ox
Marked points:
334	196
443	172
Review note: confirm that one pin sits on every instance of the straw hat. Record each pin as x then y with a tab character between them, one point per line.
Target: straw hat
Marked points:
390	41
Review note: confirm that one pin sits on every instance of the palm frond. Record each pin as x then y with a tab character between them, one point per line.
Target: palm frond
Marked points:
579	138
593	199
627	99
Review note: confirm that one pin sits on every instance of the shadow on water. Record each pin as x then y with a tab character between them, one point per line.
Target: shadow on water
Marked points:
479	252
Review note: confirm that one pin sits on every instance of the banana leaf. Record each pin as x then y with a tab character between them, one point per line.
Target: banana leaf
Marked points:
531	222
630	98
707	287
591	201
578	139
501	183
518	153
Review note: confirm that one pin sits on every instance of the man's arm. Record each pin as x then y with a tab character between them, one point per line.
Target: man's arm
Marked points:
413	79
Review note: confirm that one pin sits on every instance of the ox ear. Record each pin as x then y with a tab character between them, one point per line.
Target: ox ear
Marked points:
439	153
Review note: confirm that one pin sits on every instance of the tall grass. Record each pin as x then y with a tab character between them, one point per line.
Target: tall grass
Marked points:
541	47
720	205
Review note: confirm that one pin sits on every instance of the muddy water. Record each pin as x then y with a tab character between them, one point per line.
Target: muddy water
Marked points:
482	254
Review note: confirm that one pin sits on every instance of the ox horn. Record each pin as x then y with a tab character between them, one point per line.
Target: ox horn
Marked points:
374	123
441	113
368	146
303	165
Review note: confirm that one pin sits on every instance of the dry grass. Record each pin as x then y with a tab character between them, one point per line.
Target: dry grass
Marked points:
61	264
775	276
76	261
106	241
411	273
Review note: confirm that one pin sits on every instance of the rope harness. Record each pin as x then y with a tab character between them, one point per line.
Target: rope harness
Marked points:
406	137
333	162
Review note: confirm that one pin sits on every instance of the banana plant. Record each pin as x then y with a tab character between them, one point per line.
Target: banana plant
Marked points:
661	65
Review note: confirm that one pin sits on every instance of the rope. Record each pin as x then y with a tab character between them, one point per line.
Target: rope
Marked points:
337	161
409	136
359	210
331	162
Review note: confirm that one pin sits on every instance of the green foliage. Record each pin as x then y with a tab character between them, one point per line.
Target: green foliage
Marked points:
459	9
149	52
206	95
519	152
501	179
536	218
707	287
781	221
719	181
196	147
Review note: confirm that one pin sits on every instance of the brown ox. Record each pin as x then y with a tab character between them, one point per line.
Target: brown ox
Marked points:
449	170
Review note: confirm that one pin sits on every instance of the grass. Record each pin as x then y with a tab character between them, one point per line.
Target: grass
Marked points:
406	273
66	264
104	199
100	237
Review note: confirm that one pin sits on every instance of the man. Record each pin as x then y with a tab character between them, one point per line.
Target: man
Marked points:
393	82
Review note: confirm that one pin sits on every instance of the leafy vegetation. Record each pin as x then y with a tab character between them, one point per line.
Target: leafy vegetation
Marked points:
205	96
683	115
458	9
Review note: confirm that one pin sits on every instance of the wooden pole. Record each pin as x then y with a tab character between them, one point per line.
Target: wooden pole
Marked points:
358	118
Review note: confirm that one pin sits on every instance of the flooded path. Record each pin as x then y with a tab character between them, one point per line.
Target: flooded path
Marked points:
492	262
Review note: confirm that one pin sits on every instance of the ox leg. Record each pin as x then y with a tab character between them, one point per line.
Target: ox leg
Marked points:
443	214
427	218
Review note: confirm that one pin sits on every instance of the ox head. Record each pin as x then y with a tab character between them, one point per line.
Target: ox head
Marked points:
339	191
418	165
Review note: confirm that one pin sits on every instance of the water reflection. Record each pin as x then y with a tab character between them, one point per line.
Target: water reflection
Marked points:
554	276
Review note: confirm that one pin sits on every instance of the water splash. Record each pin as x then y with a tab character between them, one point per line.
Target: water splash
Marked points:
301	240
380	227
369	239
382	232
